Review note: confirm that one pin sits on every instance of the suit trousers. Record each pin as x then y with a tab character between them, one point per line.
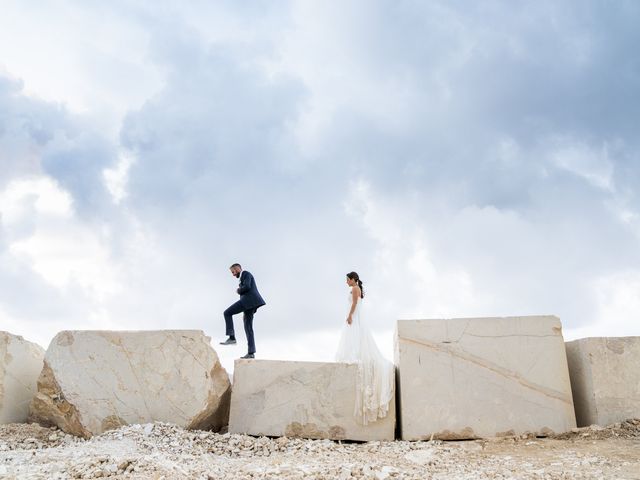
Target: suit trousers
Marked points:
248	323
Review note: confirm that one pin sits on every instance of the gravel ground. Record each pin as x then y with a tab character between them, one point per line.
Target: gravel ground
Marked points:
163	451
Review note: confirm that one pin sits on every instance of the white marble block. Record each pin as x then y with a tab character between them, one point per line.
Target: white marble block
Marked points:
94	381
301	399
20	365
482	377
605	379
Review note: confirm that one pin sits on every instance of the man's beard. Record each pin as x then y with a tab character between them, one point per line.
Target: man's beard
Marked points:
237	275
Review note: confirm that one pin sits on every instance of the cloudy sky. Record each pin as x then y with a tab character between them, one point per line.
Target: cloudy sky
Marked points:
466	158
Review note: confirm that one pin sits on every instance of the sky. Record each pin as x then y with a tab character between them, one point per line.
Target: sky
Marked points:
467	159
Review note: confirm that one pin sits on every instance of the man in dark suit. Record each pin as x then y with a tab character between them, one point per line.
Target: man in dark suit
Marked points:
250	301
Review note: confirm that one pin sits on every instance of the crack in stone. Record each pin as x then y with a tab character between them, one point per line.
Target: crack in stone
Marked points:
133	371
28	386
509	374
463	331
194	357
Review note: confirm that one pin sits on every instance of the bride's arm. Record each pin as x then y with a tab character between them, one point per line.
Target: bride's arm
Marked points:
354	301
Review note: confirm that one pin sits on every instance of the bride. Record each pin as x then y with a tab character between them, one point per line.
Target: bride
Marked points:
374	387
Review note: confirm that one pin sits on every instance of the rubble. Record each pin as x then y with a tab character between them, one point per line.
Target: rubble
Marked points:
166	451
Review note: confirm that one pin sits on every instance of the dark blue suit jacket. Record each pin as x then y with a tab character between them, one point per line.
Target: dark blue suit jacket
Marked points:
249	296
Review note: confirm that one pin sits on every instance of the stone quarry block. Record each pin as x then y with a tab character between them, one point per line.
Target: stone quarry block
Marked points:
605	379
20	365
482	377
94	381
301	399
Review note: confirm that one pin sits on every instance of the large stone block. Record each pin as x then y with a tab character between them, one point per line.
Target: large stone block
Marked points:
605	379
301	399
20	365
94	381
482	377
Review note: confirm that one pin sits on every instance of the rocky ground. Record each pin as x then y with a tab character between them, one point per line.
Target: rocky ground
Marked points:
162	451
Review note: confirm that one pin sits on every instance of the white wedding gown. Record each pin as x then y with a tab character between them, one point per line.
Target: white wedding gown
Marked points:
374	385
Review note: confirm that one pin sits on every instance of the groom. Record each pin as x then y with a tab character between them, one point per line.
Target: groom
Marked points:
250	301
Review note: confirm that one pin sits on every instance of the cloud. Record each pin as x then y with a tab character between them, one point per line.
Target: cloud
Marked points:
55	265
25	127
55	269
464	159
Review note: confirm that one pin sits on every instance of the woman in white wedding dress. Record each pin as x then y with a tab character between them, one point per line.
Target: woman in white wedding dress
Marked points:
374	387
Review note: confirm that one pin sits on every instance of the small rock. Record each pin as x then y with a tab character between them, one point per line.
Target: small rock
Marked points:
421	457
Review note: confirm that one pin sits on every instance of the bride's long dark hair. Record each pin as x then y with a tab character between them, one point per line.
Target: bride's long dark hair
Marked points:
355	277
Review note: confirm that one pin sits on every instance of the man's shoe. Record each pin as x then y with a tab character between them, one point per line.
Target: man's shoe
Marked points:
229	341
248	355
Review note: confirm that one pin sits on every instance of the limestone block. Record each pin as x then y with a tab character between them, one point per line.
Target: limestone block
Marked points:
301	399
482	377
94	381
20	365
605	379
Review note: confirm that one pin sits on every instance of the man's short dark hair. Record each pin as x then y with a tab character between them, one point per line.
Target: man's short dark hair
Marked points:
235	265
